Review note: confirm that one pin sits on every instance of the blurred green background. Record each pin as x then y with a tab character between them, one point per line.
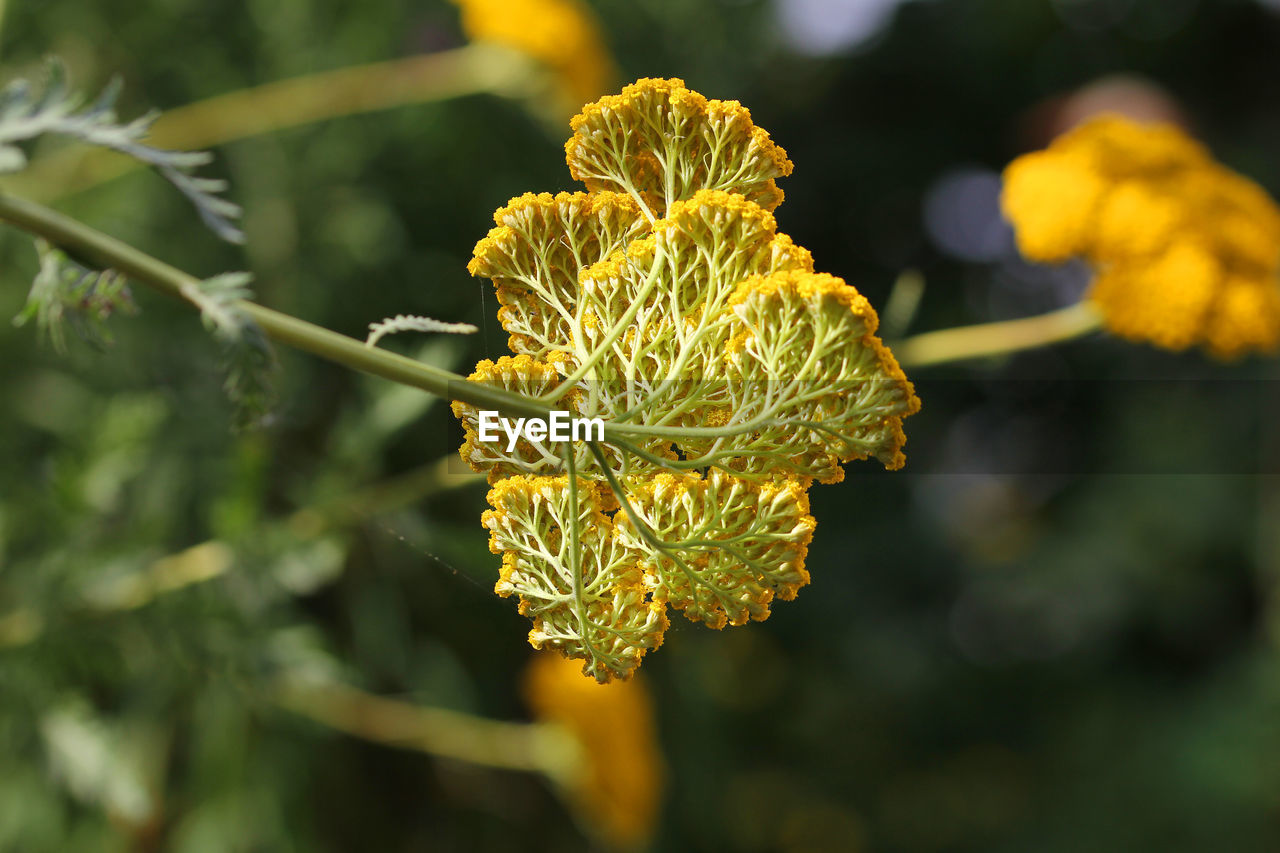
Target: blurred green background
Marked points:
1055	630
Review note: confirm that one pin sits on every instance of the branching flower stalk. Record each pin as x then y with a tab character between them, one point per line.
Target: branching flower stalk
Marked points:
664	303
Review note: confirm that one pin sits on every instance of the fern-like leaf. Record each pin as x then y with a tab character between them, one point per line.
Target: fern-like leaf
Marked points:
249	360
64	293
28	112
411	323
216	298
250	365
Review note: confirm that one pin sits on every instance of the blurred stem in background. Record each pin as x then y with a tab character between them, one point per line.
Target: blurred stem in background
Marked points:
903	304
470	70
548	749
597	743
545	748
992	339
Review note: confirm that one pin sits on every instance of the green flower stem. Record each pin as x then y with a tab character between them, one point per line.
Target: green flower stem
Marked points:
293	102
575	551
619	329
992	339
903	304
110	253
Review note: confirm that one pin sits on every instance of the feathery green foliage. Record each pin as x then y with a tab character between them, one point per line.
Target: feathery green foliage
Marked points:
65	293
29	111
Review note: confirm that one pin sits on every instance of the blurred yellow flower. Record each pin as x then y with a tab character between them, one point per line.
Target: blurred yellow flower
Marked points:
1185	251
619	791
561	34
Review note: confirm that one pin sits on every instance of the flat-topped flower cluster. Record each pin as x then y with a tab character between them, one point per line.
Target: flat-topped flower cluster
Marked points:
1185	251
729	375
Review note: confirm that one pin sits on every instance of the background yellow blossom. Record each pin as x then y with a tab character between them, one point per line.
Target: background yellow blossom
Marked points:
561	34
618	789
1185	251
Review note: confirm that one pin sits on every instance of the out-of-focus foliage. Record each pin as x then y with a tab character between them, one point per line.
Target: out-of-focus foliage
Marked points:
30	111
1054	631
65	294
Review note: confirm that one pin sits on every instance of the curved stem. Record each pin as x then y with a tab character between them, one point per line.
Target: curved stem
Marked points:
108	252
293	102
990	339
647	533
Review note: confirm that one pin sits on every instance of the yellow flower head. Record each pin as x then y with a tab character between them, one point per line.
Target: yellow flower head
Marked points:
660	140
665	303
561	34
618	793
1185	252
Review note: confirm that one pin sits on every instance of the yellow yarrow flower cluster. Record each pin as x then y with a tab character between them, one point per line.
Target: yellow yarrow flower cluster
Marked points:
561	34
618	791
1185	251
664	302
